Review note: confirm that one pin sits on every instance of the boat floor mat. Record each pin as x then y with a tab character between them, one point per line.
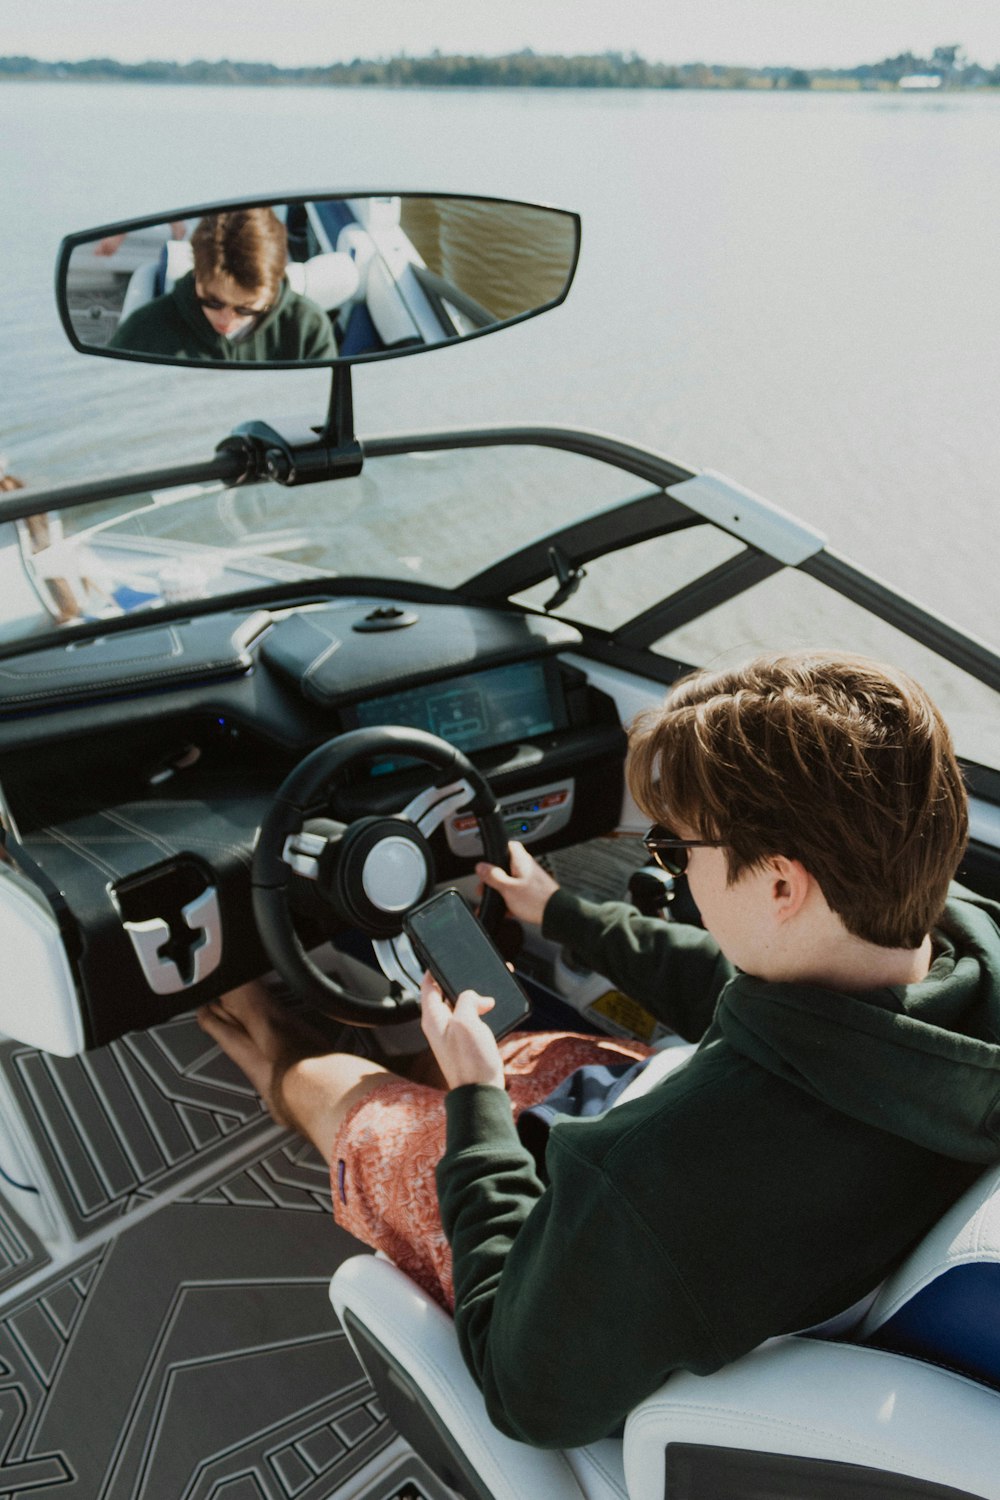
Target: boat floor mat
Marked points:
127	1118
178	1341
21	1251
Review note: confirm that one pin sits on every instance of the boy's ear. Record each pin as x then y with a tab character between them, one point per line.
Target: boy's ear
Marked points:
791	884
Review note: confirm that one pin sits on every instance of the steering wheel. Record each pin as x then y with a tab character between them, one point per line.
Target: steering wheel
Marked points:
370	872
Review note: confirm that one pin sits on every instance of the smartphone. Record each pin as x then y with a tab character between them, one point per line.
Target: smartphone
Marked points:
449	941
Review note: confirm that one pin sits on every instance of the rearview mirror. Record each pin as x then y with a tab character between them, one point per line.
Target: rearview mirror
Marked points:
299	281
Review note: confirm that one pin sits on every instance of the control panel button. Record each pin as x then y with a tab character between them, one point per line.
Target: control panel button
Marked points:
527	816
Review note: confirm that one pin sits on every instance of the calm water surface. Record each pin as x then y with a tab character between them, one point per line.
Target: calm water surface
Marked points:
800	291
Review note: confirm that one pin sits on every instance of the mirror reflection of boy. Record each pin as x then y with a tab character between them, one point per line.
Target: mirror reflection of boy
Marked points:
844	1091
235	305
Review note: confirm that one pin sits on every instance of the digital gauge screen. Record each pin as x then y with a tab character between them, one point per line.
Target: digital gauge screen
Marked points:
476	711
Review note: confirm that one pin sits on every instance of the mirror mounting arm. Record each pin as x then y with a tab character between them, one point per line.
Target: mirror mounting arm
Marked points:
338	430
567	576
301	458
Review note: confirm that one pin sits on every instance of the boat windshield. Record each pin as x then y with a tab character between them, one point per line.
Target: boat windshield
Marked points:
434	518
440	518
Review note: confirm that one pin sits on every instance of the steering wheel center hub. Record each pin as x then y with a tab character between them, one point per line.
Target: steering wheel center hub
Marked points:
394	874
385	867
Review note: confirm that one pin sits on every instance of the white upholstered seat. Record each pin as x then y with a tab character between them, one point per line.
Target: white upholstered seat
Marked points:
908	1406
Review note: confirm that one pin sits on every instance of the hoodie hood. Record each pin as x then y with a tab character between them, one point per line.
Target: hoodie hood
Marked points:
921	1061
188	306
175	327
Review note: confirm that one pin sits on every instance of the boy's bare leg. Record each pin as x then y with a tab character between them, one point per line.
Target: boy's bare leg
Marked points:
309	1093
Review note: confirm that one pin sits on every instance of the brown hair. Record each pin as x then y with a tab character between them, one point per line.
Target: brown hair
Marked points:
831	759
249	245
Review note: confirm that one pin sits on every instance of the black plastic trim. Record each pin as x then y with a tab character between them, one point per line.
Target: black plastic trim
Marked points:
653	467
413	1416
620	526
973	656
732	577
983	781
184	654
285	595
696	1471
601	646
224	467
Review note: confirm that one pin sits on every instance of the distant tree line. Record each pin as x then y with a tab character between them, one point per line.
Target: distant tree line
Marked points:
949	64
525	69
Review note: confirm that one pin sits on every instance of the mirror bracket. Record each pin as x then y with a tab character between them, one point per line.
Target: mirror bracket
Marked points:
312	454
338	430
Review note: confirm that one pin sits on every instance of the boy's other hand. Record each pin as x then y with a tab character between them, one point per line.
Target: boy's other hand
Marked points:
526	889
465	1047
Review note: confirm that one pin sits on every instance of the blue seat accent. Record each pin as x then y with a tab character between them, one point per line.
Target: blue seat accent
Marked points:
360	336
126	597
953	1321
160	281
334	216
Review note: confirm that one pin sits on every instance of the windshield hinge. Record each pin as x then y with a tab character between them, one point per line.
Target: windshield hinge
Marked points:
566	576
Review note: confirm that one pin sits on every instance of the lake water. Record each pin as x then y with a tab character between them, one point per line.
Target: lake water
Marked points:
798	290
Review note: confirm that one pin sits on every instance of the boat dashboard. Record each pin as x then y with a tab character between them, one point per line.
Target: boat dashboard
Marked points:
137	766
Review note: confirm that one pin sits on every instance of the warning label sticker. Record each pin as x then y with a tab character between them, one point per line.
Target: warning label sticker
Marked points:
623	1016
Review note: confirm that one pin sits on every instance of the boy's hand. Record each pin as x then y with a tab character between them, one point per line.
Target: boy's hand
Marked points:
526	889
465	1047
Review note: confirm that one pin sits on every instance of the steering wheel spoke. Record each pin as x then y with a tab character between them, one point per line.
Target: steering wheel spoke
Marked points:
303	851
429	808
399	963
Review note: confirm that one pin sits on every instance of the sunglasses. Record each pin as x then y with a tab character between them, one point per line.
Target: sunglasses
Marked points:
670	852
215	304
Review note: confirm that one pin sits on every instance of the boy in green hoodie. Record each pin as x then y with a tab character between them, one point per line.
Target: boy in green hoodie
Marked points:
844	1091
235	306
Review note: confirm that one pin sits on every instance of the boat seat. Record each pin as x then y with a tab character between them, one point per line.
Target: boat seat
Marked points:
157	276
329	280
359	335
904	1405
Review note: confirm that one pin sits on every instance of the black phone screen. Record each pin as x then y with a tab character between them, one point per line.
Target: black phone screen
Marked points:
450	941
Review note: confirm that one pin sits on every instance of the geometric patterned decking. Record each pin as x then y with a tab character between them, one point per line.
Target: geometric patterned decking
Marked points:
186	1349
128	1117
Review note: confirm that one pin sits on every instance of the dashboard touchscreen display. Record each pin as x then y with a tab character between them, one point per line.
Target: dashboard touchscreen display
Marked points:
478	710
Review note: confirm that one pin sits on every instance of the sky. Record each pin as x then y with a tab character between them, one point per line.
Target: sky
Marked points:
295	33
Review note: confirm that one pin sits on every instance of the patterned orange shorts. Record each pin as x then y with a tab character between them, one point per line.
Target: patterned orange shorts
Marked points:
382	1171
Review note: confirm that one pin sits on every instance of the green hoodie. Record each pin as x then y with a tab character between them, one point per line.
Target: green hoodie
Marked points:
769	1183
174	327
